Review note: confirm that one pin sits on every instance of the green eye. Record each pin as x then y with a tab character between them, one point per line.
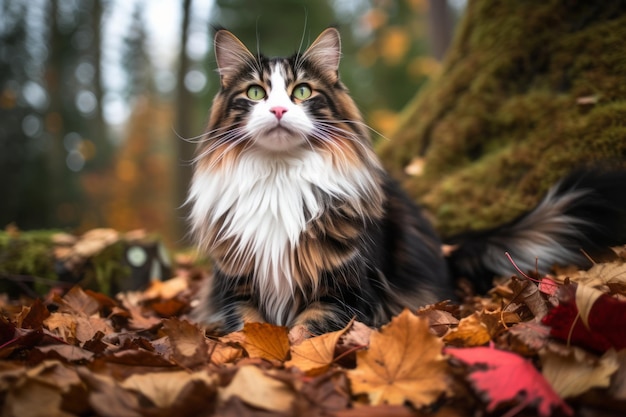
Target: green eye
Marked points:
255	92
302	92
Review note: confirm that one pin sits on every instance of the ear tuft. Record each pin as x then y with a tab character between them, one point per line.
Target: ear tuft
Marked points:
325	51
230	54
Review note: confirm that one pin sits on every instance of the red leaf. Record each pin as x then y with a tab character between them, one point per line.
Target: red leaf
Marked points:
504	376
605	319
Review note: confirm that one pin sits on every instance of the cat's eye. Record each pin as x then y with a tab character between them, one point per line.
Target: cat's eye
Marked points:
255	92
302	92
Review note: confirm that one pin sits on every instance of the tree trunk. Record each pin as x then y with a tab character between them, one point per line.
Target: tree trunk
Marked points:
528	92
184	118
440	27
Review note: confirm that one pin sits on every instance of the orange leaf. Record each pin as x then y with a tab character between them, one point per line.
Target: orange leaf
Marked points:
471	332
266	341
404	363
315	355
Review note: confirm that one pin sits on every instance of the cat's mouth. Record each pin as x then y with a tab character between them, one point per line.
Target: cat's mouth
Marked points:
280	137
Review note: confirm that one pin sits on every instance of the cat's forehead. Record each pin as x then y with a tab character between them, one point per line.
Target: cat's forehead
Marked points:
281	67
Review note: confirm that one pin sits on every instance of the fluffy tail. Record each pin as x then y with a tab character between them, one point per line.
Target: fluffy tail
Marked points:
586	211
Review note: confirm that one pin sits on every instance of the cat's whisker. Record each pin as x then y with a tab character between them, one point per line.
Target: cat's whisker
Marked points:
359	123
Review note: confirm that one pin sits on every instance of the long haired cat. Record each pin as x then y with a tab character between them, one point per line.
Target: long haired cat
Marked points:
306	228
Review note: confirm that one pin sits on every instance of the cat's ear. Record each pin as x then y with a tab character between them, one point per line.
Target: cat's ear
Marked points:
230	54
325	52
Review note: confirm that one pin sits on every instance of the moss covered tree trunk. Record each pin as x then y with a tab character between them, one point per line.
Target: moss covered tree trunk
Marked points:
529	91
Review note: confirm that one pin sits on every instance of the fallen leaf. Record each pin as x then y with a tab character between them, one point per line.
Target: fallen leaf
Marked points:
266	341
33	316
503	377
329	391
571	375
164	388
70	326
314	355
78	301
403	363
528	293
67	352
107	397
187	341
471	331
259	390
39	391
357	336
598	324
440	321
166	289
600	274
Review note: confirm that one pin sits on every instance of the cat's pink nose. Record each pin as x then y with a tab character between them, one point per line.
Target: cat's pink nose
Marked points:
278	111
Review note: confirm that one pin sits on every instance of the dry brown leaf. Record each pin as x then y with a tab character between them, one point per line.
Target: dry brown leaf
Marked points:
68	352
39	391
188	343
316	354
72	325
527	292
164	388
222	353
166	289
77	301
266	341
439	320
470	332
403	363
497	320
357	336
601	274
107	397
571	375
256	389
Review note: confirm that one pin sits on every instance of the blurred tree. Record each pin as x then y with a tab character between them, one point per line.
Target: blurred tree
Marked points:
136	193
185	108
22	102
135	60
51	89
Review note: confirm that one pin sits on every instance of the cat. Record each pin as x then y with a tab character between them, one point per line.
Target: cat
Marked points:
306	228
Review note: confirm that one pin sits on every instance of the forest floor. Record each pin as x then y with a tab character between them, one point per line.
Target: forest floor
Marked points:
533	346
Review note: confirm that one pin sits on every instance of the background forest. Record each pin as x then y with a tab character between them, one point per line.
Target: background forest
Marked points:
97	97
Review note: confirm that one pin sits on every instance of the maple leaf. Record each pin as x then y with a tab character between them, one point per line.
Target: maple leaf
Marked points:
314	355
403	363
266	341
503	376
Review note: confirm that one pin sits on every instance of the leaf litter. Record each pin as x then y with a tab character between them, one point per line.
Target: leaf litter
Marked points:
552	347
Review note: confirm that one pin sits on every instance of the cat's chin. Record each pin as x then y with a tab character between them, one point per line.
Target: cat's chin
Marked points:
280	139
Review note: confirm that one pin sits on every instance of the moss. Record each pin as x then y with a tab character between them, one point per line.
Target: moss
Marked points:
528	92
26	259
106	271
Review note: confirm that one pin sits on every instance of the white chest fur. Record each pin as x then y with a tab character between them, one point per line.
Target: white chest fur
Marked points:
265	202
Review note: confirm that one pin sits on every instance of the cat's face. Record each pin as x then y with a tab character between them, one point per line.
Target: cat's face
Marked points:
283	104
